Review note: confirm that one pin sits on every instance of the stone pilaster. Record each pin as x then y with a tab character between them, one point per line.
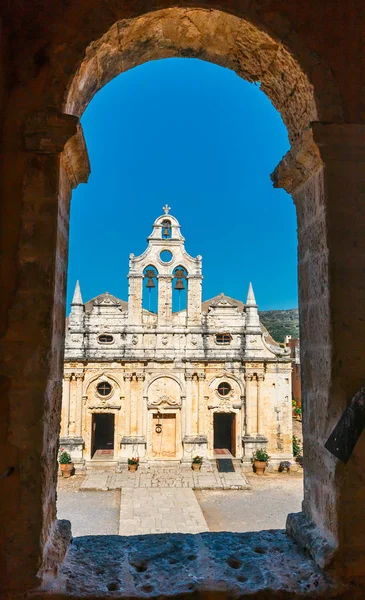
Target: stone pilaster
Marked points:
127	413
78	412
65	405
194	301
135	299
201	407
189	407
260	407
164	299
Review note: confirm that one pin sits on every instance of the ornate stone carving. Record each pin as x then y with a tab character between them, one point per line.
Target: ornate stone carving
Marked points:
163	400
128	376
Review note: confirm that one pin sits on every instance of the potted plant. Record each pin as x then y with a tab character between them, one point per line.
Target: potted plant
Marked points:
284	466
66	463
196	463
260	460
133	463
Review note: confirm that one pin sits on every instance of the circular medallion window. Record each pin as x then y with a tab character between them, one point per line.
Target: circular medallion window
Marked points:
104	388
224	388
166	256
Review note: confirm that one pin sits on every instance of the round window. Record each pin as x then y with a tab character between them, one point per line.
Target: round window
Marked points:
224	388
104	388
166	256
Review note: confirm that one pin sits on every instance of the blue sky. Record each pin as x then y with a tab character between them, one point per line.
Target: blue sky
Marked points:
198	137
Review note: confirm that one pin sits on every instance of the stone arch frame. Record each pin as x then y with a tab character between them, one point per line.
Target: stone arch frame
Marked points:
173	409
224	374
161	375
144	292
111	405
301	174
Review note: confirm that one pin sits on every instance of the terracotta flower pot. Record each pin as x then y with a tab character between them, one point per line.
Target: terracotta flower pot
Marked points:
132	468
196	466
67	469
259	467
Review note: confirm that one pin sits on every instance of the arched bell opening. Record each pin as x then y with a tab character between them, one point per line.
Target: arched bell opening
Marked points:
179	289
150	290
166	229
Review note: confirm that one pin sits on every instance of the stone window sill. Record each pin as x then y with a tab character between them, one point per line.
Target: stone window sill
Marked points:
266	564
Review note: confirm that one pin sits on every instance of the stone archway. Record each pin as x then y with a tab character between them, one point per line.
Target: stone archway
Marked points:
328	201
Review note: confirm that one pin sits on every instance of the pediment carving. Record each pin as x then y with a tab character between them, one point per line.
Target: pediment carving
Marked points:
163	400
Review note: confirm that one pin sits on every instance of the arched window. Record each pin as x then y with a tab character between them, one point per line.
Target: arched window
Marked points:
166	229
150	289
179	289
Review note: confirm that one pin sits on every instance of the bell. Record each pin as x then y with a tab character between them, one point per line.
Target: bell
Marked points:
179	285
166	231
150	283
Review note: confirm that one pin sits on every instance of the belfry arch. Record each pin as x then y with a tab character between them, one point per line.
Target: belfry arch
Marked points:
42	132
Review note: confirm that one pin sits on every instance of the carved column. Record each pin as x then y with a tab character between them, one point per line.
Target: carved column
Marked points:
66	405
78	412
201	408
127	413
260	408
251	404
189	405
139	403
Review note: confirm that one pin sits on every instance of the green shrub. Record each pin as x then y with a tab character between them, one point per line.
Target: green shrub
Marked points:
296	446
197	460
261	455
64	458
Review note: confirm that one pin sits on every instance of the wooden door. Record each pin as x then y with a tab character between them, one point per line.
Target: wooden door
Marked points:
164	441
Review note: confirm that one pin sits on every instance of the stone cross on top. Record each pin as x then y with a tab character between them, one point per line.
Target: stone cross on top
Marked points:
166	208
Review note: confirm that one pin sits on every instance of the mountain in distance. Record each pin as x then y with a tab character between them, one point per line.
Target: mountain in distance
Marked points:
280	323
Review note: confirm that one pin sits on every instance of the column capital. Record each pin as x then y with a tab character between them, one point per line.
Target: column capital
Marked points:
67	376
299	164
47	130
201	376
79	376
128	376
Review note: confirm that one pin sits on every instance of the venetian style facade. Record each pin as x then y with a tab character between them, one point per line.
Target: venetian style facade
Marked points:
175	379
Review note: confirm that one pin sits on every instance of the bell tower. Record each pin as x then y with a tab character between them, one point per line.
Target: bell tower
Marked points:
165	264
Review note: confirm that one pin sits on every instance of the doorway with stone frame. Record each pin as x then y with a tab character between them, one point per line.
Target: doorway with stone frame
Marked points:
224	425
102	443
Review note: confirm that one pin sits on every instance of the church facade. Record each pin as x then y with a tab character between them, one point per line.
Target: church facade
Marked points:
176	379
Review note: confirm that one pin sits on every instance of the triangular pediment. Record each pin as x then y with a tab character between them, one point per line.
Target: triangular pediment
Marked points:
107	300
222	301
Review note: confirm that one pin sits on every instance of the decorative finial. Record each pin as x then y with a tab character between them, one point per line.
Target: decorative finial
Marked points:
166	209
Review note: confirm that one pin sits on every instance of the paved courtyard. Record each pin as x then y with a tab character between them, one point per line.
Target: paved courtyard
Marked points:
151	476
131	510
160	510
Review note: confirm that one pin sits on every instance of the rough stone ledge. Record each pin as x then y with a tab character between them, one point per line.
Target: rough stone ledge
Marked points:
302	530
266	564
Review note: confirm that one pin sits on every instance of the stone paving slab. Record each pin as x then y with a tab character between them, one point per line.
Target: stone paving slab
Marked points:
165	477
160	510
